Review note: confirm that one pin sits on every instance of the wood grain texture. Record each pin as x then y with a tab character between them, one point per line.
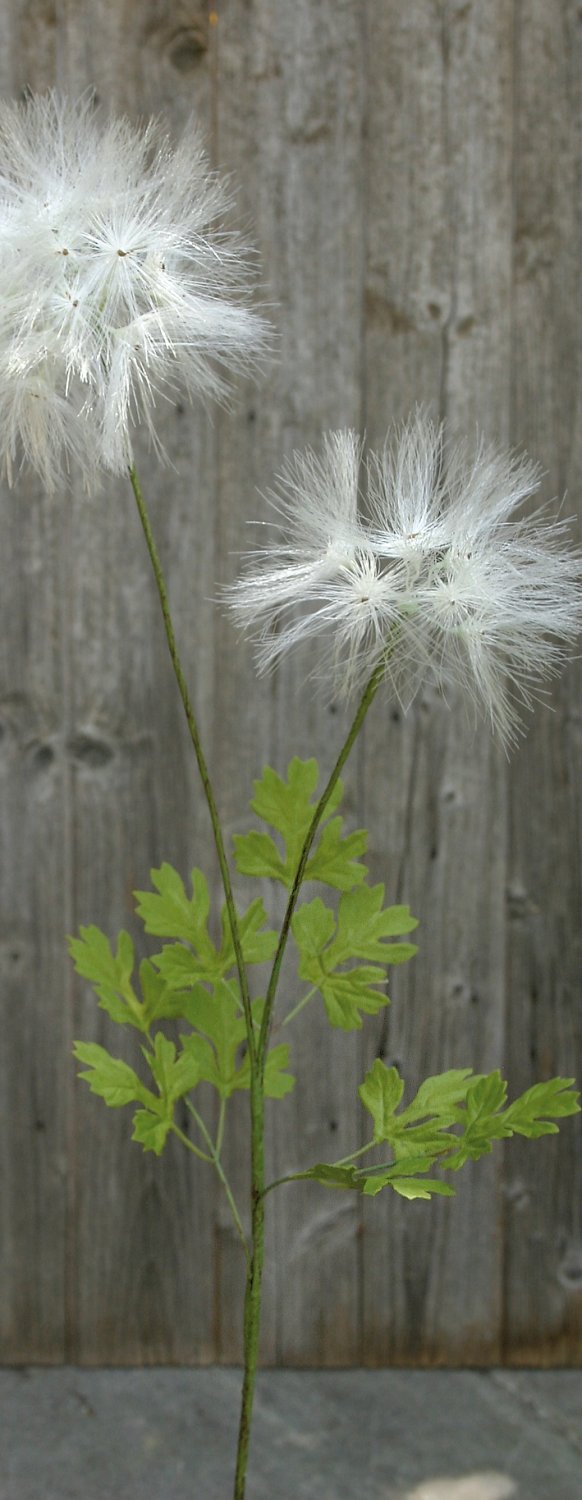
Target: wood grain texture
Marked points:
410	175
543	1282
438	297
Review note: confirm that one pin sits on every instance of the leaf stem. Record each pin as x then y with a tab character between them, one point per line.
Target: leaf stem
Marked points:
200	758
367	698
220	1129
216	1162
343	1160
293	1177
252	1308
181	1134
300	1005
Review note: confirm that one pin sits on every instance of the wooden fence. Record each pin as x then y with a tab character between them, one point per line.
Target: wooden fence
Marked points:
411	170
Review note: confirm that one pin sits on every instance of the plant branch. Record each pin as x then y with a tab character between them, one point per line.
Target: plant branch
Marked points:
181	1134
367	698
200	758
216	1162
300	1005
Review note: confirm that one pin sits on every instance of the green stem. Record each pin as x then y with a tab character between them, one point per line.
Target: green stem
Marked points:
215	1160
190	1144
293	1177
343	1161
252	1309
300	1004
201	762
220	1129
367	698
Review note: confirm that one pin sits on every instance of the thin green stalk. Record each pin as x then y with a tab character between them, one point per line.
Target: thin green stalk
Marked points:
202	767
216	1162
343	1162
220	1129
300	1005
367	698
202	1156
252	1309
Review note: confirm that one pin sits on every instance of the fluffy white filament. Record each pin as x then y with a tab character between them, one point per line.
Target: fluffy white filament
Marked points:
439	580
118	284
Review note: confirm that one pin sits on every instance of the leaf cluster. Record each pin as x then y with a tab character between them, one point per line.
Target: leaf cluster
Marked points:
287	807
453	1118
191	980
362	930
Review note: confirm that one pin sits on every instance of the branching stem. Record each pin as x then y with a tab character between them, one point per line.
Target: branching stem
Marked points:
257	1045
216	1162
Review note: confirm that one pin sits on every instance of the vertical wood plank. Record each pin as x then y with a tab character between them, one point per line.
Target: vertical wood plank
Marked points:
543	1292
289	123
35	1062
433	790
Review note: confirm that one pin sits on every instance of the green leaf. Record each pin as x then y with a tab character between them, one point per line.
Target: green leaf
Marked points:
109	973
329	1176
257	854
421	1130
288	808
150	1130
363	927
420	1187
217	1015
421	1137
203	1059
277	1081
381	1093
171	913
313	927
162	1063
486	1121
347	996
441	1094
160	1001
528	1115
336	859
257	945
109	1077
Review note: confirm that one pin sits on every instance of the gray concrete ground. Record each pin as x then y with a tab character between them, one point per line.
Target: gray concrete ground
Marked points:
69	1434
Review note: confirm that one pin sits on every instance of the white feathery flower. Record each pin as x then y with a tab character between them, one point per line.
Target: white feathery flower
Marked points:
119	284
317	498
440	581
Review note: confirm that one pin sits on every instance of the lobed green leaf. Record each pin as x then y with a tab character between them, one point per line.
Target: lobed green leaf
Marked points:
361	930
110	1077
110	973
288	808
423	1135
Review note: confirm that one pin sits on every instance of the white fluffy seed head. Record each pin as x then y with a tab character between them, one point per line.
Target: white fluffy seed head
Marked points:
119	283
442	580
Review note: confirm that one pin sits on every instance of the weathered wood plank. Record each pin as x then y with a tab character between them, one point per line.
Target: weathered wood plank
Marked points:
543	1291
35	983
438	317
315	250
143	1273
